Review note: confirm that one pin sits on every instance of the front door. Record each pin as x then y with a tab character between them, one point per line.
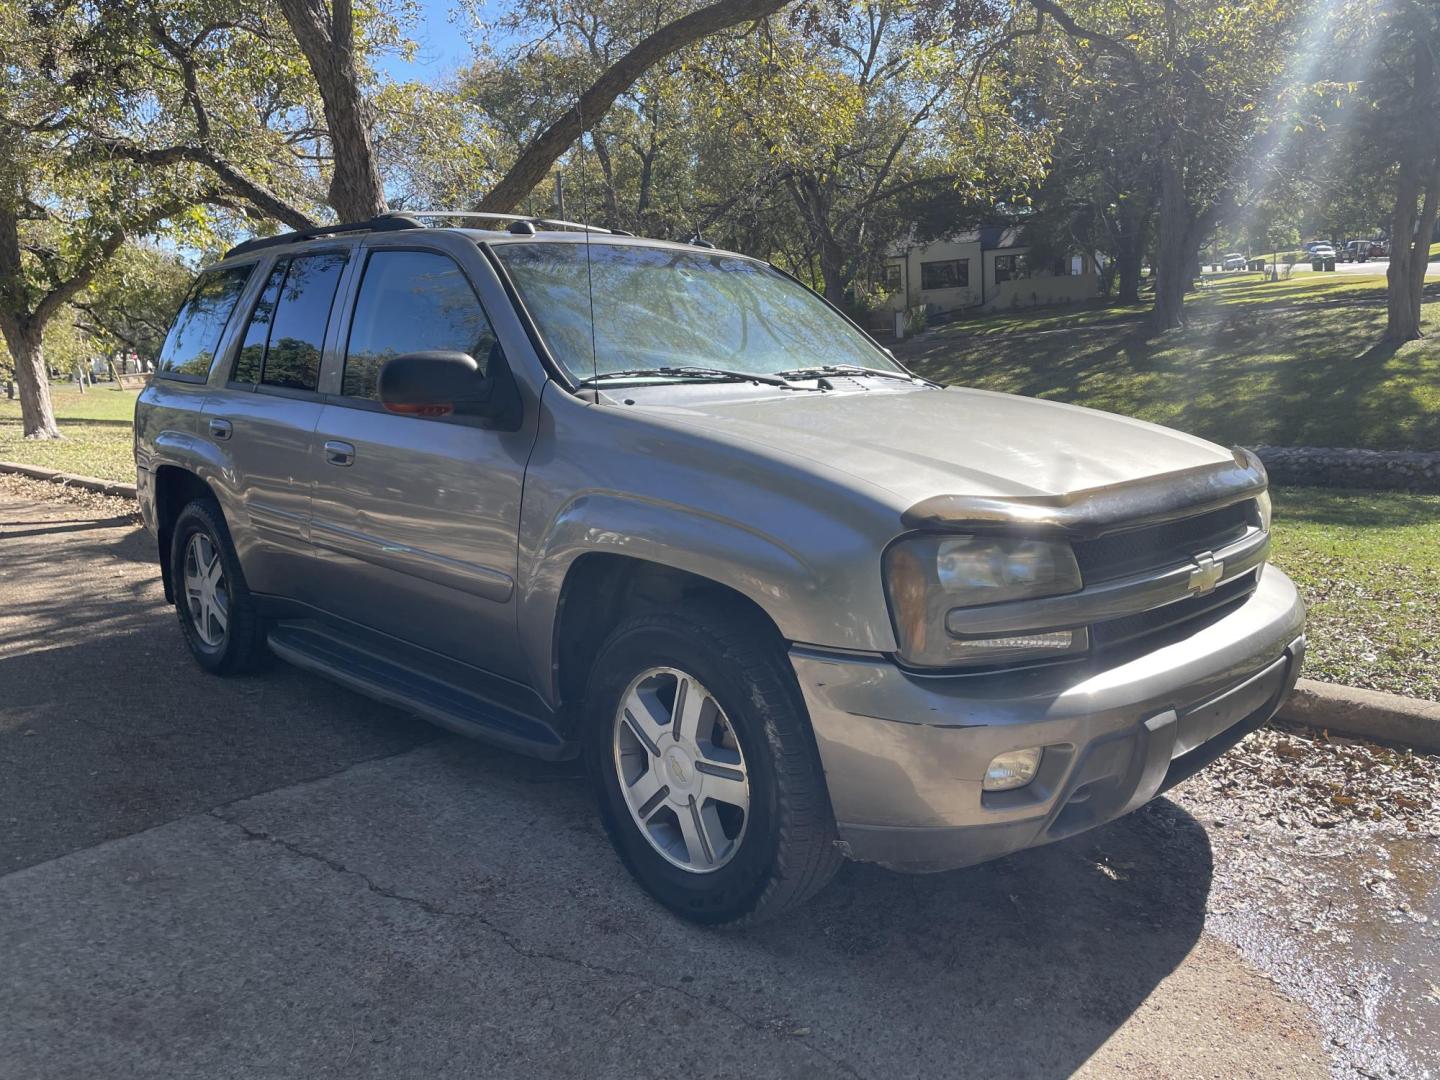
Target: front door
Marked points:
415	520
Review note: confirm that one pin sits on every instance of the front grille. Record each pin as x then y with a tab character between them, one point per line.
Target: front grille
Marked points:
1155	547
1159	626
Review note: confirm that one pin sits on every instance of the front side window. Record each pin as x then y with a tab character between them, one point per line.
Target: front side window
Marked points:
412	301
945	274
678	307
189	348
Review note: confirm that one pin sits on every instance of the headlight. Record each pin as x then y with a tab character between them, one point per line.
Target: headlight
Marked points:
927	578
1263	502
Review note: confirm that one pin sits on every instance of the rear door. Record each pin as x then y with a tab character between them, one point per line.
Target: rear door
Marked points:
266	413
415	520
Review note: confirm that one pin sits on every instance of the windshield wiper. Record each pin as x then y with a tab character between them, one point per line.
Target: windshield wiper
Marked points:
681	373
843	369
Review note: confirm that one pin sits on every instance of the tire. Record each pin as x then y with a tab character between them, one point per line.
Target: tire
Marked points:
241	645
784	848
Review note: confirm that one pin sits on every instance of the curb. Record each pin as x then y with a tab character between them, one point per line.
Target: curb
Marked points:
89	483
1371	714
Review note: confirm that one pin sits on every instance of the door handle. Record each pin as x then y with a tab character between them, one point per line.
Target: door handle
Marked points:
220	429
339	453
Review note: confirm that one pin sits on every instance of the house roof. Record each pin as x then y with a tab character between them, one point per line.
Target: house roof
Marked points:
989	237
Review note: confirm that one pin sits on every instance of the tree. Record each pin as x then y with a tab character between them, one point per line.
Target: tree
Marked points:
131	301
1402	90
327	38
66	208
1206	80
541	155
860	107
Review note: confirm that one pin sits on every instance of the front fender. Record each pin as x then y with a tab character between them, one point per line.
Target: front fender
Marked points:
812	595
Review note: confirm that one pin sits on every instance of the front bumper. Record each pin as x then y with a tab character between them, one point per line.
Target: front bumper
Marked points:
904	755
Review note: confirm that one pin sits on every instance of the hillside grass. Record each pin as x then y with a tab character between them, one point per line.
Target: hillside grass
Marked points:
1368	565
1289	363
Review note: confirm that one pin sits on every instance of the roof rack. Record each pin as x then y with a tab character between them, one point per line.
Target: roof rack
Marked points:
395	221
531	219
383	223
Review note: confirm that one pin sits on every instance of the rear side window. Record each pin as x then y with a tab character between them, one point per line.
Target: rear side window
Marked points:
412	301
257	332
286	333
190	346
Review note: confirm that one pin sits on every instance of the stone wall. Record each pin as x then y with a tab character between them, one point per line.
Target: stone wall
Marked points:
1326	466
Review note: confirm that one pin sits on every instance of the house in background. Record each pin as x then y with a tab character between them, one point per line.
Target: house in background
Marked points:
987	269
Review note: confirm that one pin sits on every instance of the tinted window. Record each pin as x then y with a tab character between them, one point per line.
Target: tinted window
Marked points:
412	301
190	346
257	332
297	334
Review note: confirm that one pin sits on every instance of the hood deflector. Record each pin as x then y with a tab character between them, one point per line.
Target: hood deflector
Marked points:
1096	511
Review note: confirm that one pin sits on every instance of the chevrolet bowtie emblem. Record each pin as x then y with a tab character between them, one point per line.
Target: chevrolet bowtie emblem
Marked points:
1207	573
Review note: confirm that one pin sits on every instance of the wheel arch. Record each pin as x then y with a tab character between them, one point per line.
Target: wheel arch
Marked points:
601	589
175	488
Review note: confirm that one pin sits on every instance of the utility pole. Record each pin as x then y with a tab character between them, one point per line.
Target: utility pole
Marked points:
560	195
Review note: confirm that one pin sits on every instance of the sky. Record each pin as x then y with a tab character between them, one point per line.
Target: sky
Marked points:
442	44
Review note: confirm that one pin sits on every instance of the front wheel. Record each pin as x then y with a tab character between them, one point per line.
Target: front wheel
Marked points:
705	767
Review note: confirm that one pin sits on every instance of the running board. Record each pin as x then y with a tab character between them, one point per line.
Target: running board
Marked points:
317	648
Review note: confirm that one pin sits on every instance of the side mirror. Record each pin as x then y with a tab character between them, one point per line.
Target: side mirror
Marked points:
442	383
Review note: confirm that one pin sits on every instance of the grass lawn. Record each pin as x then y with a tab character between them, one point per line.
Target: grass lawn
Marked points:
97	430
1368	564
1289	363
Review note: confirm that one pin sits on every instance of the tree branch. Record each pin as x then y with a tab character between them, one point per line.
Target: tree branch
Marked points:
538	158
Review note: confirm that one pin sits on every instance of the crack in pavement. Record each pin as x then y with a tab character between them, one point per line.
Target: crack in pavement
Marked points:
509	940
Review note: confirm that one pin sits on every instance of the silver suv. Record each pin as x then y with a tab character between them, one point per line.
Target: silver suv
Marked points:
580	493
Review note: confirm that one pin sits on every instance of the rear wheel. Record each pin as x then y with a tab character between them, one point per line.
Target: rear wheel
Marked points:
218	616
705	768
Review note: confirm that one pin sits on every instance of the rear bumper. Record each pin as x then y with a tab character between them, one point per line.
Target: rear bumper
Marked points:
904	755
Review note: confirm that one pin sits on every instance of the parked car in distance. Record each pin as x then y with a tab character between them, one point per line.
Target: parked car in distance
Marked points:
1321	251
1234	261
664	509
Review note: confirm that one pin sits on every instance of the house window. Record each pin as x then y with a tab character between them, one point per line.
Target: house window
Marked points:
945	274
1010	268
892	282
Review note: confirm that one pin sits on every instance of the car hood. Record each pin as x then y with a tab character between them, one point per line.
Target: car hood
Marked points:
920	442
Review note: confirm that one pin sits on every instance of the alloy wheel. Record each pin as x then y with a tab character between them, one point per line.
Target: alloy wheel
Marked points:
681	770
207	593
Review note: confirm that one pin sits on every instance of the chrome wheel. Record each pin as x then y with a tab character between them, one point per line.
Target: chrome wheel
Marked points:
207	594
681	770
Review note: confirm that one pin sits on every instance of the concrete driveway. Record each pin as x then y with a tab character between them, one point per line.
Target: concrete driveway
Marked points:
271	876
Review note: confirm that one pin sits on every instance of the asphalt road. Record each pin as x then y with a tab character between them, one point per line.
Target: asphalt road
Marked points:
271	876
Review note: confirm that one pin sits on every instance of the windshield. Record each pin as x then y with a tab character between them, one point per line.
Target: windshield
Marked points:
675	308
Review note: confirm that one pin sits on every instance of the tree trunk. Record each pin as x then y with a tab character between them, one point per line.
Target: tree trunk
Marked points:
328	41
1170	260
607	174
530	168
1410	250
1410	233
37	413
832	271
1129	257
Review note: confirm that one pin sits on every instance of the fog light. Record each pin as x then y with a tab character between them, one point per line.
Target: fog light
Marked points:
1012	769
